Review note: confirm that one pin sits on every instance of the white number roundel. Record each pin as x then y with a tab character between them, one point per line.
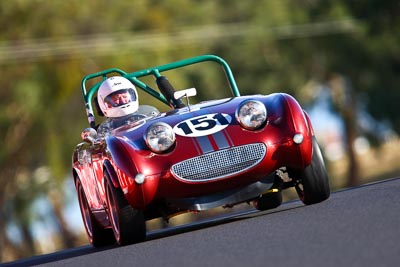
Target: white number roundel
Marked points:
203	125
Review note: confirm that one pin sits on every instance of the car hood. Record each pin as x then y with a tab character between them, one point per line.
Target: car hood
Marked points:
173	117
200	128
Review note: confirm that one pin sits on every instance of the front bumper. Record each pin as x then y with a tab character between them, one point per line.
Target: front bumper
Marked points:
226	198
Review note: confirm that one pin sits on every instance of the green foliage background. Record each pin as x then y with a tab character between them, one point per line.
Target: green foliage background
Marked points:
46	47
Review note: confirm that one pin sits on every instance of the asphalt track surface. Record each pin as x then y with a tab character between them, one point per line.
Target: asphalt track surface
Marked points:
354	227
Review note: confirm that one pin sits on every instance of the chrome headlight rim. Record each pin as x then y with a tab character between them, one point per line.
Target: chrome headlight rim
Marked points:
152	137
262	110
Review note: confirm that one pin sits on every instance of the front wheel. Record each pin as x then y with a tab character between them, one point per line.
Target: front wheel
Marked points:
313	185
128	224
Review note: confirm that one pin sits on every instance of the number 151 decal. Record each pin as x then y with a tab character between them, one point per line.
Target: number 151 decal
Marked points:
203	125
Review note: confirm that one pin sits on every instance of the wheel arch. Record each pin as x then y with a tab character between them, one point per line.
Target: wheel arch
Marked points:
120	162
299	122
299	118
75	174
108	167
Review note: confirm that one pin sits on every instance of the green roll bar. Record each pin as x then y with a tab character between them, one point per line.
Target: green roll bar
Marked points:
154	71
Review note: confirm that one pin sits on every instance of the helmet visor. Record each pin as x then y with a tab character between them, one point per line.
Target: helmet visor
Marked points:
120	97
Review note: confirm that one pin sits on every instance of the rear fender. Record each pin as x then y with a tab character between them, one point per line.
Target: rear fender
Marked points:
76	177
87	186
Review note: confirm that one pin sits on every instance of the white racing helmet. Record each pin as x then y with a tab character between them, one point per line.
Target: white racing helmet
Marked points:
117	97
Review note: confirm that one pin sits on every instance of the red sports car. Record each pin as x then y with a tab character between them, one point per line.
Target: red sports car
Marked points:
194	157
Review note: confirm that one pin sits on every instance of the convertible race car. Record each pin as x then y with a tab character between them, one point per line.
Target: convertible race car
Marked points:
192	157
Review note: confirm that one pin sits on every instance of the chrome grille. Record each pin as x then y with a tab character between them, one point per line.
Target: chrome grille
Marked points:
219	164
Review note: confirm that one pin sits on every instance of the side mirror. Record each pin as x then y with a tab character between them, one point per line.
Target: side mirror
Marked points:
89	135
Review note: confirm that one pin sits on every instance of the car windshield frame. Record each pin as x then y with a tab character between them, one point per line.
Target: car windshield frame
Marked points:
88	94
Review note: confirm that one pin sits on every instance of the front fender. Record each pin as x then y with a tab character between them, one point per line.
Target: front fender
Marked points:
121	161
122	158
299	123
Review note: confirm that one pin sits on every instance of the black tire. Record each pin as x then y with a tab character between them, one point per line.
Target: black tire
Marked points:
268	201
128	224
313	185
97	235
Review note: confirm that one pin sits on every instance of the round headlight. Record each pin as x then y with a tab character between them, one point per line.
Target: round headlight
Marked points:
251	114
159	137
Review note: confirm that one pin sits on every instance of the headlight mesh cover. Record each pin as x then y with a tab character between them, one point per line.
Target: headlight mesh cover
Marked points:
219	164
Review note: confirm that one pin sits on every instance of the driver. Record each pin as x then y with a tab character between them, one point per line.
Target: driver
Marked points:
118	100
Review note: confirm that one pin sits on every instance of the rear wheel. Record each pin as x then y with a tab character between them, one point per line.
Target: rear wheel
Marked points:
313	185
128	224
98	236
